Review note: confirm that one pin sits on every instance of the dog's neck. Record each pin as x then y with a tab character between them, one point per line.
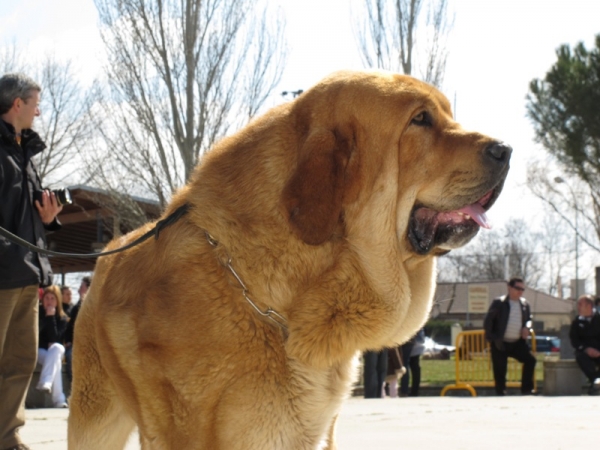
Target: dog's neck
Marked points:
268	313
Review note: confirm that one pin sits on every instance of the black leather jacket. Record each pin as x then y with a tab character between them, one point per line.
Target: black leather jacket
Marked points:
585	333
20	267
496	320
51	329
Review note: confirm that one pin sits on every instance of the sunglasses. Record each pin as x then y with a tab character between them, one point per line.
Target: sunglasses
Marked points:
518	288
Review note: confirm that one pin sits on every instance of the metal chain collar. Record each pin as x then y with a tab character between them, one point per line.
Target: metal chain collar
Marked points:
269	313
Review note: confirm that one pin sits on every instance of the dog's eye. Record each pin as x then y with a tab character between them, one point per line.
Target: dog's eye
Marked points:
422	119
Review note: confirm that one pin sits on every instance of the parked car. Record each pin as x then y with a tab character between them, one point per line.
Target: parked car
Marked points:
545	344
434	350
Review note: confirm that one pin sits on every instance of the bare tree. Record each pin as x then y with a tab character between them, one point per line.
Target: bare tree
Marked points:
485	259
62	124
180	74
571	199
556	245
11	60
395	34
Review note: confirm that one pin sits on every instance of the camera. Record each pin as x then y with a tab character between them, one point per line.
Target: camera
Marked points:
63	196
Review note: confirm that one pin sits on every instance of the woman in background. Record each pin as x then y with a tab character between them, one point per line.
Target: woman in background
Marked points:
411	353
52	323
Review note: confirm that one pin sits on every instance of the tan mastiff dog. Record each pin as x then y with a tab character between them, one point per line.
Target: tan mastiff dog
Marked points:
310	235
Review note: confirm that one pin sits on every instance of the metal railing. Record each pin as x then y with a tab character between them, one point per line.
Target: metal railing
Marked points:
474	364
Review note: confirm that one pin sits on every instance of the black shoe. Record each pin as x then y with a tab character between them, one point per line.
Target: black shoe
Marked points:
594	389
529	393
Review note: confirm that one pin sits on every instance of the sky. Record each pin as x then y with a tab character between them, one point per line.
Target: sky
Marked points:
496	48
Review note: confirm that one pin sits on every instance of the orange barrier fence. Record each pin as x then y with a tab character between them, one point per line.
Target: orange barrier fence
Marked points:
474	364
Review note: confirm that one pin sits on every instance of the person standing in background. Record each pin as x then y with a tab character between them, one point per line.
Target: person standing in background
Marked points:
374	372
395	370
22	271
415	362
69	337
405	351
506	326
65	291
411	354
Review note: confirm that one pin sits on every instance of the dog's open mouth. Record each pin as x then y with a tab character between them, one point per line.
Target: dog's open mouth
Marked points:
447	230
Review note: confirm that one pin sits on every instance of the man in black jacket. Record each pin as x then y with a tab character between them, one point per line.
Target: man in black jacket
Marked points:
506	327
585	339
21	271
68	337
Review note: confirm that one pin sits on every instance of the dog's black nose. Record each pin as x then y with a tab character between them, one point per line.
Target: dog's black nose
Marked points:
498	152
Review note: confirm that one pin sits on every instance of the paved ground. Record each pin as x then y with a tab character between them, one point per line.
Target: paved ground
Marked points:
444	423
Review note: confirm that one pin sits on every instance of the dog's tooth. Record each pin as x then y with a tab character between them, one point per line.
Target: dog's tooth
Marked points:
467	216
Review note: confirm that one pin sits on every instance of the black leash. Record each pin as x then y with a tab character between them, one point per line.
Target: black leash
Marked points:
169	220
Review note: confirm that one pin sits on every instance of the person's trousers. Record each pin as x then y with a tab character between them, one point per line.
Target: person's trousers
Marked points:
69	362
375	371
51	375
519	351
415	375
18	355
588	365
406	349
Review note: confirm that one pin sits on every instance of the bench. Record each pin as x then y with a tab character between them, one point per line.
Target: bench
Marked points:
563	377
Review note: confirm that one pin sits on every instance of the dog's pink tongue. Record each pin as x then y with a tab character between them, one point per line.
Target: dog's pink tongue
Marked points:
477	213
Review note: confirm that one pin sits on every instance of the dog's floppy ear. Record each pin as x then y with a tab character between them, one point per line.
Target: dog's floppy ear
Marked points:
313	195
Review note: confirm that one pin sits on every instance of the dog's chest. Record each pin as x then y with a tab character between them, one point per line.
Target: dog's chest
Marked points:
320	395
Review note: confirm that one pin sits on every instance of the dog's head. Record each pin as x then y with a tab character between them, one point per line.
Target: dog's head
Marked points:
382	150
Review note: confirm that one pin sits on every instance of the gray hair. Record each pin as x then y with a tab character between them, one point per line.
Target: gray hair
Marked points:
13	86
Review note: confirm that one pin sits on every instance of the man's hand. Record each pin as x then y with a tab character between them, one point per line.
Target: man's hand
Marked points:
49	207
592	352
524	332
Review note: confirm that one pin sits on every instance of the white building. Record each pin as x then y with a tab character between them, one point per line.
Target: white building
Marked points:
467	304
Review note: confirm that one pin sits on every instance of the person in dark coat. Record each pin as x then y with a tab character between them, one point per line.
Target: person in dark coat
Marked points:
414	363
22	271
69	332
65	291
52	325
506	327
585	339
374	372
